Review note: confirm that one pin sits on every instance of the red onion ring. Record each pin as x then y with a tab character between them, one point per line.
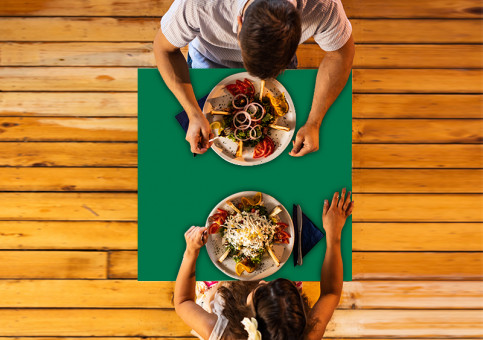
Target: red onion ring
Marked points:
254	129
244	124
252	114
238	138
238	96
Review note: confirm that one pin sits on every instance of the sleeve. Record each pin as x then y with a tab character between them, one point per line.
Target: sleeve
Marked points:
180	25
335	30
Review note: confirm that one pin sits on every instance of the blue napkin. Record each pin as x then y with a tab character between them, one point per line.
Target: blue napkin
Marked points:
182	117
311	235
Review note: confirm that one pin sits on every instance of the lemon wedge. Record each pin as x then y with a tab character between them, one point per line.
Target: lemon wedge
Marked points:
239	268
216	126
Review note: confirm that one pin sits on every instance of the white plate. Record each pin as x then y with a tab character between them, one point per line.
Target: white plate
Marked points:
266	267
219	98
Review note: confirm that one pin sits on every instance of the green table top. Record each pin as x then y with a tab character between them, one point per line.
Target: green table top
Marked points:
177	190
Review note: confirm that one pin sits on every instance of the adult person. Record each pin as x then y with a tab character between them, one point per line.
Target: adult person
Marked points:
262	36
275	310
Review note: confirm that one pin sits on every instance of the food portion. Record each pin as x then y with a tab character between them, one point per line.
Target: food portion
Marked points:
248	231
249	118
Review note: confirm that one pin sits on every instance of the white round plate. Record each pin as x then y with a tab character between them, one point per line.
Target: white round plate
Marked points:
219	98
266	267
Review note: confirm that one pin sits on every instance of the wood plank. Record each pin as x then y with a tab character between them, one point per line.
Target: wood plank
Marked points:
68	129
417	106
425	131
365	265
152	322
135	294
62	235
52	265
418	208
417	181
398	56
353	8
68	179
68	206
144	29
417	81
125	79
40	154
413	31
430	237
416	265
123	265
309	55
417	156
68	104
68	79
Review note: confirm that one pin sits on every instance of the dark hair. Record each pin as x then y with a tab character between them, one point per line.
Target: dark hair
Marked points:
281	311
269	37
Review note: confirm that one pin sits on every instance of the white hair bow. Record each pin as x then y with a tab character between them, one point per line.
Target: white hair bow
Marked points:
251	326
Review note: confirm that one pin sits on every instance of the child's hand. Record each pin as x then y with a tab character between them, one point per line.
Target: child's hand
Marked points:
196	238
335	214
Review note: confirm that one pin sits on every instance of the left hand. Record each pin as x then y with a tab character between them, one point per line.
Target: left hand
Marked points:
306	141
195	238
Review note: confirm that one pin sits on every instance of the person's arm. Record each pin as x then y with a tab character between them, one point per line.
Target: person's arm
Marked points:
331	276
174	70
331	78
184	290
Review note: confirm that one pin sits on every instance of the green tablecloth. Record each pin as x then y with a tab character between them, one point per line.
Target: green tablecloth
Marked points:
177	190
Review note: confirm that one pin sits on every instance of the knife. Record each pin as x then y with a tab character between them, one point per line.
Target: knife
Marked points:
299	224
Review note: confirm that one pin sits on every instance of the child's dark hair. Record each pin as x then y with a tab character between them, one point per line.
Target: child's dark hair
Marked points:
281	311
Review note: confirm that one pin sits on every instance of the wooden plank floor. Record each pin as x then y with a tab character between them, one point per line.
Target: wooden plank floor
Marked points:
68	177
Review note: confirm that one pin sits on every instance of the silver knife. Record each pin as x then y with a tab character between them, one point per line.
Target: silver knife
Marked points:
299	223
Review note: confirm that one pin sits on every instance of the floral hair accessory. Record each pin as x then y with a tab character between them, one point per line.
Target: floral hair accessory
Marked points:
251	326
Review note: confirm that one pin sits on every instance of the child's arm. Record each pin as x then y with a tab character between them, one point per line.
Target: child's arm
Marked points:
331	277
184	290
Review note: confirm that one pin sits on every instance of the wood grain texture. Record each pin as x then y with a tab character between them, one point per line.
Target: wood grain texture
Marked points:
62	235
416	265
135	294
424	131
309	55
365	265
144	29
68	104
68	179
52	265
152	322
417	106
353	8
68	129
417	156
69	206
417	81
68	79
417	181
69	154
417	208
417	236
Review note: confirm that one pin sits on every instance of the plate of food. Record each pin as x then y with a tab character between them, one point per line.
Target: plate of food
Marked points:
250	235
253	120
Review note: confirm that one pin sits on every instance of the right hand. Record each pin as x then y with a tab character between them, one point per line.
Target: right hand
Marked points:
196	237
199	133
335	214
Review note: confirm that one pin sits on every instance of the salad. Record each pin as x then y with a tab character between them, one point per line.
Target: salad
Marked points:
248	231
249	118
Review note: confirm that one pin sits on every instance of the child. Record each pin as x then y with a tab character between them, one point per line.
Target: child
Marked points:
261	310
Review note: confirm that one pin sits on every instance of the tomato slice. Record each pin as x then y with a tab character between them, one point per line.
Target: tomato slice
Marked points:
223	213
232	88
251	88
270	148
283	234
213	228
284	225
260	149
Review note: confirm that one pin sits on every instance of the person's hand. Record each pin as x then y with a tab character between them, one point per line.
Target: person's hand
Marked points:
306	141
196	238
199	133
335	214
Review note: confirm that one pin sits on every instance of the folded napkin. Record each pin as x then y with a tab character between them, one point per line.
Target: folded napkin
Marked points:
182	117
311	235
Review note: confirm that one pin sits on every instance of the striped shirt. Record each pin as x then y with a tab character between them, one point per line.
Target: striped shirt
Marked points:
210	28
